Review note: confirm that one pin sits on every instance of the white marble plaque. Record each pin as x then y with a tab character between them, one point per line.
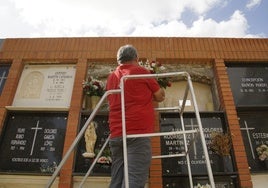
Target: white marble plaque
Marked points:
45	86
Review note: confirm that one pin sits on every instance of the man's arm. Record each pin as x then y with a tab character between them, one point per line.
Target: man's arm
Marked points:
159	95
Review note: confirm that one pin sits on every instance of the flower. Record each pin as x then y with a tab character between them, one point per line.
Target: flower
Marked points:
221	143
155	67
262	151
93	87
106	157
105	160
202	186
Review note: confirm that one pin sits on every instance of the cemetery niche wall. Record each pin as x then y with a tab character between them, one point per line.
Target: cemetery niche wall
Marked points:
254	128
32	142
175	171
95	135
250	90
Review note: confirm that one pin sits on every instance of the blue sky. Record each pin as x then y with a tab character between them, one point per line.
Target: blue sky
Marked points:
167	18
255	16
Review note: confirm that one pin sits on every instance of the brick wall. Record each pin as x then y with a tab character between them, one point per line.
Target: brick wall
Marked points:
228	106
17	52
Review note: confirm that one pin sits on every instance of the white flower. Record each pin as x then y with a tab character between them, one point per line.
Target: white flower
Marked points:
262	151
162	68
202	186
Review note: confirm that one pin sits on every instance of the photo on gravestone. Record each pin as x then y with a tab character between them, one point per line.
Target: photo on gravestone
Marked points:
32	142
173	144
249	85
90	144
254	129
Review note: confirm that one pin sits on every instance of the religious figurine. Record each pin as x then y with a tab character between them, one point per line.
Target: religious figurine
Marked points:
90	139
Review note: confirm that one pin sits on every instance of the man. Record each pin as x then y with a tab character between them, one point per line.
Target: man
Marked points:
139	111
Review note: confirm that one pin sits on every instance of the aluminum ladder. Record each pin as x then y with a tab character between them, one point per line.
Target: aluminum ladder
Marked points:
199	131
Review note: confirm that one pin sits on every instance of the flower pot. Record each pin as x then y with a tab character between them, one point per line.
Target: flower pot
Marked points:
94	101
87	103
227	163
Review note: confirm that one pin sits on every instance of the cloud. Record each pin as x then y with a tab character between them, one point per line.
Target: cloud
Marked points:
235	26
253	3
68	18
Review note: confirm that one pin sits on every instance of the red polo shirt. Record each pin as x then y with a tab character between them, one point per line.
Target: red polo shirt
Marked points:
139	109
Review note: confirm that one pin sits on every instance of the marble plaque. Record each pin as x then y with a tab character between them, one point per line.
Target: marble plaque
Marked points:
249	86
45	86
32	142
174	144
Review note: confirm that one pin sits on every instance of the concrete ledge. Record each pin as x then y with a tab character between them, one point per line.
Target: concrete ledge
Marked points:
97	182
25	181
100	182
259	180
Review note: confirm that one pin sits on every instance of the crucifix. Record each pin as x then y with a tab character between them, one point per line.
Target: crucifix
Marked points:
247	129
35	134
192	126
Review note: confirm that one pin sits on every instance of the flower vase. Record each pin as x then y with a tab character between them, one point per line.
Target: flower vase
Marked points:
94	101
227	164
87	102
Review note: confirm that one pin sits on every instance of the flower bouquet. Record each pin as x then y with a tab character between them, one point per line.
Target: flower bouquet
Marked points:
93	87
262	151
155	67
221	143
106	157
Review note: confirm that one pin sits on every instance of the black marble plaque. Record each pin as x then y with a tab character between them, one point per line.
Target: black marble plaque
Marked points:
32	142
254	129
249	86
82	164
211	122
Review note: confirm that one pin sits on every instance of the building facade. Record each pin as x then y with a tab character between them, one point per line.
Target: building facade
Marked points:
42	107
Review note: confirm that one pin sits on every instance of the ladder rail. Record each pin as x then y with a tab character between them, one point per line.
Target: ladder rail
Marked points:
124	135
78	137
189	87
187	154
201	133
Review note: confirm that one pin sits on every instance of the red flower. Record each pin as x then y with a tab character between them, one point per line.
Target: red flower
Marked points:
156	67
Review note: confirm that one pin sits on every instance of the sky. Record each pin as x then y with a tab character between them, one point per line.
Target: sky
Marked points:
139	18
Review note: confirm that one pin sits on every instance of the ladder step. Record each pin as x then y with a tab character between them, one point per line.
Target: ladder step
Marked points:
169	108
162	133
169	156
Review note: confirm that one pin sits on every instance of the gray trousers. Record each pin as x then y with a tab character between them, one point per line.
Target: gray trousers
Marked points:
139	161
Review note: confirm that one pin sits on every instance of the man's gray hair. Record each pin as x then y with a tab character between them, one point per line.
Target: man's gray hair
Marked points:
126	53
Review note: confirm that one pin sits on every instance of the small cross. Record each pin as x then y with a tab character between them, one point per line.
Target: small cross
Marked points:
192	126
35	134
246	128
